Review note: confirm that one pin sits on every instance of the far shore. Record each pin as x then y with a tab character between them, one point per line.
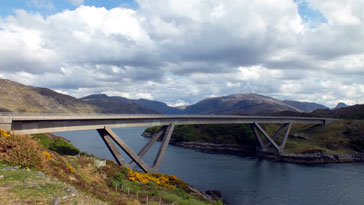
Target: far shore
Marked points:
317	157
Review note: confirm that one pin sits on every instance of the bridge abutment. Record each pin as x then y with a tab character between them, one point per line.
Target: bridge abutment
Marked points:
5	123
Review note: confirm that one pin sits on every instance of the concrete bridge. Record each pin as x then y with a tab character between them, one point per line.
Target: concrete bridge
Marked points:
21	124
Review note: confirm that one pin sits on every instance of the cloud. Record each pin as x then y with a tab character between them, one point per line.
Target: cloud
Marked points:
185	51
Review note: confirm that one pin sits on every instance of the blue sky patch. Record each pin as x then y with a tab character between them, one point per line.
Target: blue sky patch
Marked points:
309	15
49	7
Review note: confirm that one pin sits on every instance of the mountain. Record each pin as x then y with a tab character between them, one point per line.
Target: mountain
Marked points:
340	105
158	106
117	104
16	97
305	106
355	112
250	104
349	112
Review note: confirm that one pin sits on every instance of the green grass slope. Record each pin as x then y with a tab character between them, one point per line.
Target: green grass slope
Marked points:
44	173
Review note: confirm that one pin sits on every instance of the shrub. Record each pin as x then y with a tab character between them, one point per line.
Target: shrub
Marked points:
4	133
22	151
153	129
58	145
357	144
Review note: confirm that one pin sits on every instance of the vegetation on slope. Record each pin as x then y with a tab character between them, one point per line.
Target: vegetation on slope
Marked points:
354	112
16	97
117	104
46	176
218	134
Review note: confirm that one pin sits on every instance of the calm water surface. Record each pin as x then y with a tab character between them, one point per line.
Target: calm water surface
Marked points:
243	180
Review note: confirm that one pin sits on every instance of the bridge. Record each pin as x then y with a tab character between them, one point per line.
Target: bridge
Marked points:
22	124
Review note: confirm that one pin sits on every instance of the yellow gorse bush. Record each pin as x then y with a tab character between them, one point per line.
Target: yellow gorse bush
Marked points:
46	155
163	180
70	168
4	133
22	151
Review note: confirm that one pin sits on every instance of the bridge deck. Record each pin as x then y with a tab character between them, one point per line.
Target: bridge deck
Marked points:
31	123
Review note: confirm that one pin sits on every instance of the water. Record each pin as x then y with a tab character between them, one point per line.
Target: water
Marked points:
243	180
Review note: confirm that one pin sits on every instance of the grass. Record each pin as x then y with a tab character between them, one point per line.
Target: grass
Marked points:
56	144
108	184
35	187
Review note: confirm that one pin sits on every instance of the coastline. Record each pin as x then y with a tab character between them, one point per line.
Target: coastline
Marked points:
317	157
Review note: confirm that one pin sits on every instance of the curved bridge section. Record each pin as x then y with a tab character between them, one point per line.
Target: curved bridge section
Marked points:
31	124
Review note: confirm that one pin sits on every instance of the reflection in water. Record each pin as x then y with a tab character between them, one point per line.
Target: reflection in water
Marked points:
243	180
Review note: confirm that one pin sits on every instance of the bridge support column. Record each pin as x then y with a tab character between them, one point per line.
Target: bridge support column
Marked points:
279	148
162	150
110	137
112	147
145	149
127	150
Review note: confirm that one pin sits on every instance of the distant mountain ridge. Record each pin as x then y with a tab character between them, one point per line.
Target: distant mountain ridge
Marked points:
116	104
305	106
340	105
16	97
248	104
158	106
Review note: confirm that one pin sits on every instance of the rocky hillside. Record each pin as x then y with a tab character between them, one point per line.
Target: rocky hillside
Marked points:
251	104
349	112
117	104
16	97
305	106
43	169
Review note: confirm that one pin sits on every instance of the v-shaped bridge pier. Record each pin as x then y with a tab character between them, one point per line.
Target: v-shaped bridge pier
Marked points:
111	139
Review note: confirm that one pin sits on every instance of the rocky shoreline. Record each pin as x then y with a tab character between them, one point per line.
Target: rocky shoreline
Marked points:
314	157
317	157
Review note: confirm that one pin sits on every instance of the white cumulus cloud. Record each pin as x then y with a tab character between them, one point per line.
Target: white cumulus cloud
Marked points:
184	51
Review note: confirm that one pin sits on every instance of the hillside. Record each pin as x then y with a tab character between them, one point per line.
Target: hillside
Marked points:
117	104
349	112
45	169
16	97
250	104
354	112
305	106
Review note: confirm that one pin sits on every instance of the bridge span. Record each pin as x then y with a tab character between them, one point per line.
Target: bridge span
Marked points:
21	124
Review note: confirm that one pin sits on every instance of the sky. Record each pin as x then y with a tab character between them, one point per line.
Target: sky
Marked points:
181	52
